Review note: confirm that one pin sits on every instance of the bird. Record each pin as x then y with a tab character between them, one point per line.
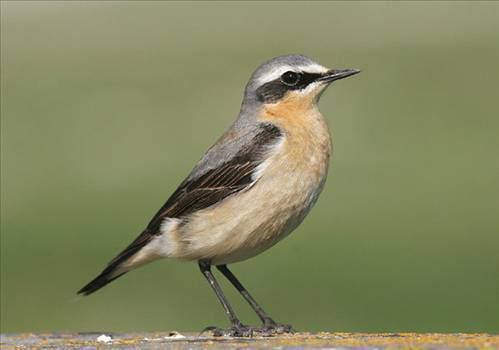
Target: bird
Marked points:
250	189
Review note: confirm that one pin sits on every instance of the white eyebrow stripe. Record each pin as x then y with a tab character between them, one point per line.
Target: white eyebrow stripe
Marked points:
276	73
313	68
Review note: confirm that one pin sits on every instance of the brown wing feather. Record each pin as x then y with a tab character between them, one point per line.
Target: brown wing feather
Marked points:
215	184
196	193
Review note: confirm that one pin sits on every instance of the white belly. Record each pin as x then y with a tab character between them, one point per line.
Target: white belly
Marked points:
244	225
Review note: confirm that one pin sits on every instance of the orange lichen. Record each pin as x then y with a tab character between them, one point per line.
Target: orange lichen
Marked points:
192	341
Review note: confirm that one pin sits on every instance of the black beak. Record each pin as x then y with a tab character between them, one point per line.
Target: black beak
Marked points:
337	74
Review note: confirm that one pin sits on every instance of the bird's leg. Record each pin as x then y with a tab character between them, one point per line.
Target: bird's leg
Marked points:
237	329
269	325
246	295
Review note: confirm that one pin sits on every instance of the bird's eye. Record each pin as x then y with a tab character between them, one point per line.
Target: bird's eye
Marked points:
290	78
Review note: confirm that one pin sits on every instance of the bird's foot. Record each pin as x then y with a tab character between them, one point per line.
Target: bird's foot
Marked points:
238	331
270	328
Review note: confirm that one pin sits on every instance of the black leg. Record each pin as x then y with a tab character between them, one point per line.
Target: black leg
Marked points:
246	295
237	328
268	322
206	270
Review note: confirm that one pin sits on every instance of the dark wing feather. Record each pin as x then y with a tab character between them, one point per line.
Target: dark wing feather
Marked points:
207	185
215	184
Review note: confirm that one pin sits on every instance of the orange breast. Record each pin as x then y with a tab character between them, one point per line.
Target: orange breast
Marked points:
306	131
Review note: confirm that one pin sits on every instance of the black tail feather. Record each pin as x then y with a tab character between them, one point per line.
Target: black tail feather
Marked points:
109	273
98	282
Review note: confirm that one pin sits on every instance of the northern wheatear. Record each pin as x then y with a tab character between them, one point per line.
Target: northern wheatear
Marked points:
252	188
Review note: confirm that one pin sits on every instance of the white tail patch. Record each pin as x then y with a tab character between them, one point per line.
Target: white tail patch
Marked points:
161	246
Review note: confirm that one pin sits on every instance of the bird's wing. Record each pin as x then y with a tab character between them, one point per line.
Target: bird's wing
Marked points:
225	169
228	167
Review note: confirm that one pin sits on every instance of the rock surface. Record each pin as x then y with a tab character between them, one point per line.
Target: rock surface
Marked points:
180	341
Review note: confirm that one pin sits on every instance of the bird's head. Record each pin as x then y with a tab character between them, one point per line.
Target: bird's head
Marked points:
294	78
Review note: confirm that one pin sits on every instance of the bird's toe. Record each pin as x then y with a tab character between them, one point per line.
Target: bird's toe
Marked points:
271	327
237	331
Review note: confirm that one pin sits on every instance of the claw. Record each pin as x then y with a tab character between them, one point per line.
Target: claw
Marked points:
238	331
269	329
272	327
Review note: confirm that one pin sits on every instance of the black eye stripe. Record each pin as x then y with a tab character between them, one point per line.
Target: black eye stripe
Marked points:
308	78
291	78
274	90
301	79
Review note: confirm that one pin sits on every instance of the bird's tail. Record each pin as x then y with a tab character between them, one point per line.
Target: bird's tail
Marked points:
118	266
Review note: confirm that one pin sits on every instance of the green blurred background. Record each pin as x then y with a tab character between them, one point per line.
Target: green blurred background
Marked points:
107	106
